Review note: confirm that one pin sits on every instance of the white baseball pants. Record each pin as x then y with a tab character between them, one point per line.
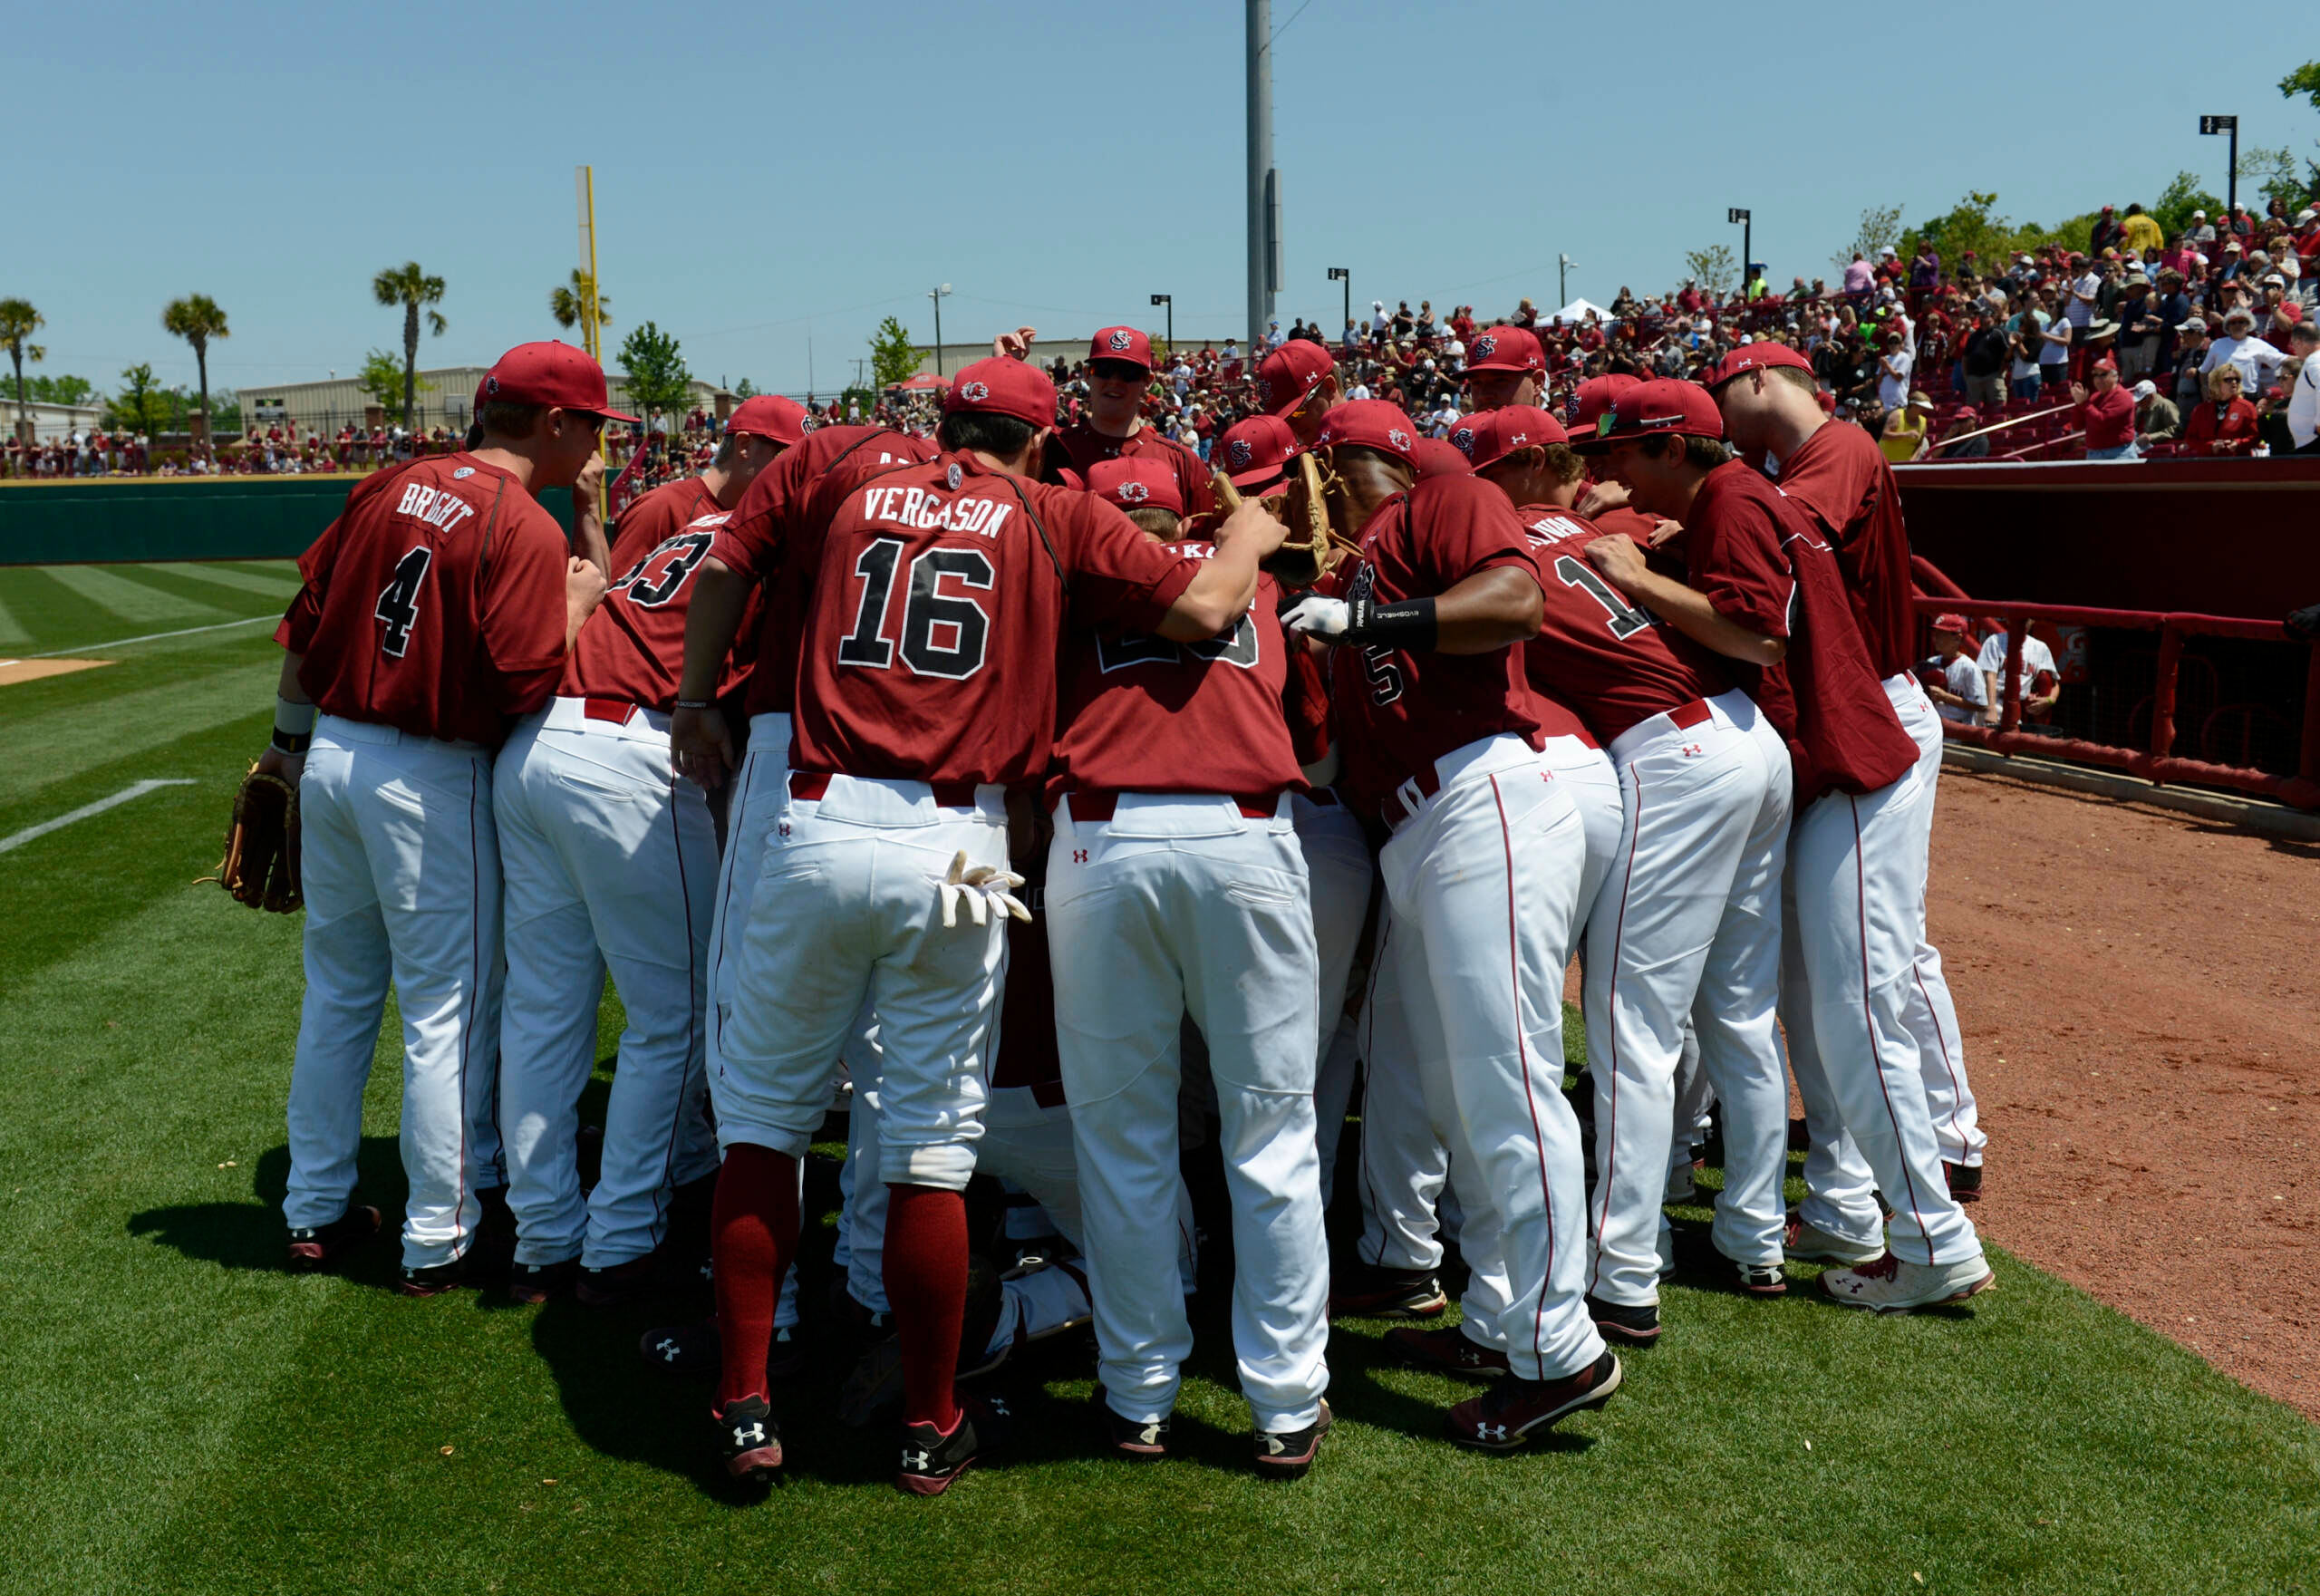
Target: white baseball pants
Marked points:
400	864
1931	1015
846	907
608	862
1689	920
1178	906
1483	881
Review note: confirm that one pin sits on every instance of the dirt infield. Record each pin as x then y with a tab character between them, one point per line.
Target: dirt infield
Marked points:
14	670
2140	997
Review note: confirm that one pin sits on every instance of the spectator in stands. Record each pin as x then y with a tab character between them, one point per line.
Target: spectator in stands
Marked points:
2056	339
2025	346
2192	345
1983	363
2139	326
1893	368
1956	445
2156	420
2139	232
2281	313
1904	437
2106	414
2225	422
1959	690
2304	395
2257	359
2041	683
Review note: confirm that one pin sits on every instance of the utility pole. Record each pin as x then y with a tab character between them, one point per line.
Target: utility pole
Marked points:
2226	124
1563	263
1338	274
1265	181
1170	301
936	295
1747	245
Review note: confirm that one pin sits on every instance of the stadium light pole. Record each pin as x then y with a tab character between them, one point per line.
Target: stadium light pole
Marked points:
937	295
1563	263
1747	244
1265	181
2226	124
1338	274
1170	301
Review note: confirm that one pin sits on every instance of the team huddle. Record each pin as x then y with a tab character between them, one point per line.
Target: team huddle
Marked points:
1034	782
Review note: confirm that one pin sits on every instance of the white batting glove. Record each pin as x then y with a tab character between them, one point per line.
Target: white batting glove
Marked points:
1315	616
981	889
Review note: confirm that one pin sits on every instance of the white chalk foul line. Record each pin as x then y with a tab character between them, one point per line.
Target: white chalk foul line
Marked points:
151	637
136	789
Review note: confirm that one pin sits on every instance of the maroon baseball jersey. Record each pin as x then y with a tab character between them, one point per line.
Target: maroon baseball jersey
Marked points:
937	599
1079	446
434	603
1844	480
1400	711
750	543
1614	662
1762	562
633	646
1139	713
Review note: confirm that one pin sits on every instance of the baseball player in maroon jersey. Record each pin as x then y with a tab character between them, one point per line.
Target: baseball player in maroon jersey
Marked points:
1504	365
936	595
440	604
1689	918
1838	473
1119	369
1298	384
1766	593
1176	888
1482	877
610	862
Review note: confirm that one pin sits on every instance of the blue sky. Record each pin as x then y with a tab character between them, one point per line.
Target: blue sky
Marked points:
769	174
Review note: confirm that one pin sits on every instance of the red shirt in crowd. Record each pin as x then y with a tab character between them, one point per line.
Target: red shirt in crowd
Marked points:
1844	481
1141	714
2108	418
750	544
1400	711
434	603
1761	561
1079	446
1615	664
938	600
633	646
2232	430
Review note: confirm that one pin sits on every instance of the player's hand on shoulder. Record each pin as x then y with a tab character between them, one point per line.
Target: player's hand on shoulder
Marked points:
1617	557
1599	498
1666	533
700	746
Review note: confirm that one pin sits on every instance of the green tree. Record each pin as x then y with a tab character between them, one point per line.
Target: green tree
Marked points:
2175	202
893	356
657	379
1714	268
567	304
197	318
1881	227
2303	81
745	388
382	377
2271	171
412	288
18	322
142	405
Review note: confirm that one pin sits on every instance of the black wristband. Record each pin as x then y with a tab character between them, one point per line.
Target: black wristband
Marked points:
293	743
696	704
1407	622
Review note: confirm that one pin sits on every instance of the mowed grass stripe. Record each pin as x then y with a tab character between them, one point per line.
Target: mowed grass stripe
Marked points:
130	600
12	631
54	616
87	724
276	587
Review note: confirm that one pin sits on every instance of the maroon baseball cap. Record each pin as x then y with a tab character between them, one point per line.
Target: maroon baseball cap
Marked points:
769	415
1760	356
1137	483
1001	386
1289	375
1505	349
1371	423
1951	621
1434	457
554	375
1121	343
1594	396
1488	438
1663	406
1253	450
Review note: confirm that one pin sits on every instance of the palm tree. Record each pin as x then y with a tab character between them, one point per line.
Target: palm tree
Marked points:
18	322
410	287
197	318
567	305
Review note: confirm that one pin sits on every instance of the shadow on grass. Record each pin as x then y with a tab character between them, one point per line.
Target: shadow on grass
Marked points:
252	1235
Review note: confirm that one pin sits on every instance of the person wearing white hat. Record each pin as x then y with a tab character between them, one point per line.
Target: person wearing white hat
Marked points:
2239	347
2156	420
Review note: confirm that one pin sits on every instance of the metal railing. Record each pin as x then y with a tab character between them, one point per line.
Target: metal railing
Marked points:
2158	763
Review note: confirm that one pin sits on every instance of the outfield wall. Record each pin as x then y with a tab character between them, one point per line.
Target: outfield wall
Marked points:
107	520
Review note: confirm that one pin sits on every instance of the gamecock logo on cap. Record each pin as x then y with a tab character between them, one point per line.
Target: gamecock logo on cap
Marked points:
1398	438
1462	439
1134	493
975	393
954	476
1485	346
1264	389
1239	452
1120	340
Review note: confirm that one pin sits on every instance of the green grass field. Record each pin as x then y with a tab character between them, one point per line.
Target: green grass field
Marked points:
178	1413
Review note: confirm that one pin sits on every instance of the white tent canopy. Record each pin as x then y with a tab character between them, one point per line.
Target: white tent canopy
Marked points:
1577	311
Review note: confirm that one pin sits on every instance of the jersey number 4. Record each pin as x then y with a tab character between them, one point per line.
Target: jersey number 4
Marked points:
398	608
1626	620
942	633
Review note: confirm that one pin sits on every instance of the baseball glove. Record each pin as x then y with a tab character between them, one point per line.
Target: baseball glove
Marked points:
1314	544
261	864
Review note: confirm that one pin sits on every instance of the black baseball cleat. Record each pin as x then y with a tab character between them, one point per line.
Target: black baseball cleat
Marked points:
749	1439
1762	1280
621	1282
1387	1294
931	1460
1502	1418
1288	1454
1630	1327
1965	1181
314	1247
1445	1349
434	1278
1132	1440
536	1282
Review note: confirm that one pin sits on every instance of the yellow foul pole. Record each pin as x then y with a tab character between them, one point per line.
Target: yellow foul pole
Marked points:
590	324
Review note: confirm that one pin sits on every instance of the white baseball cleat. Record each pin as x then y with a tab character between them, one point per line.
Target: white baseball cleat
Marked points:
1890	1286
1803	1242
